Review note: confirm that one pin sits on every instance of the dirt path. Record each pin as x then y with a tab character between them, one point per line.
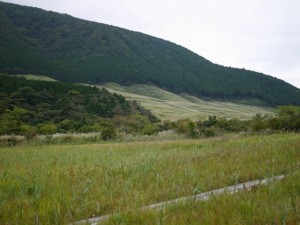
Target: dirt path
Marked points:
199	197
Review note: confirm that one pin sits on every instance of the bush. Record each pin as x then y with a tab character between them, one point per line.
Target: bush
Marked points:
258	123
130	124
167	125
10	140
90	128
207	132
187	127
212	120
149	129
233	125
108	133
28	131
47	128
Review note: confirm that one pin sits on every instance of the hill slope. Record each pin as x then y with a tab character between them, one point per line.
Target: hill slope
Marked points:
69	49
169	106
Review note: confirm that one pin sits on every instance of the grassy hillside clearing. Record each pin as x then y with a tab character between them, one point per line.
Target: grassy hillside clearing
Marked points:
168	106
60	184
36	77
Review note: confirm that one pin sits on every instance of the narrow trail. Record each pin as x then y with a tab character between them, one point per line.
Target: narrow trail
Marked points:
247	186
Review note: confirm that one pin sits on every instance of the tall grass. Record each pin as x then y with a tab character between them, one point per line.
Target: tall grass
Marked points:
82	138
277	203
58	138
59	184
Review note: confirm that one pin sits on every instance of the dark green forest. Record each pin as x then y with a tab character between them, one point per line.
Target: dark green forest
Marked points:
35	41
40	107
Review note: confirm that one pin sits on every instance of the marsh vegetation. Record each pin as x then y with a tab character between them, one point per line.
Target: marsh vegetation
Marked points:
64	183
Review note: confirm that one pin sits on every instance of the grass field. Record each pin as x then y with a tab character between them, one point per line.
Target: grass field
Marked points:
168	106
60	184
278	203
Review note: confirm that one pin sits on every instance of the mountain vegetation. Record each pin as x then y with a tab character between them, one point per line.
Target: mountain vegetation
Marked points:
35	41
32	107
169	106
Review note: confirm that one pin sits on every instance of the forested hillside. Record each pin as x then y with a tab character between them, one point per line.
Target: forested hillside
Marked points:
68	49
28	106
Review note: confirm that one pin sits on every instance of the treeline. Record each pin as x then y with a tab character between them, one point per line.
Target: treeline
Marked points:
30	107
287	119
35	41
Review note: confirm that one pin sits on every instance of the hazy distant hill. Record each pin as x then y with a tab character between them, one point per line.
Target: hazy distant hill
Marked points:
65	48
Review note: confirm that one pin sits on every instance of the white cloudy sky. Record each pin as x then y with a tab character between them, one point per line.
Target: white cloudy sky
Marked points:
261	35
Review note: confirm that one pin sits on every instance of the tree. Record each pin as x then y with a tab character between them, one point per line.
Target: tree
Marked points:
289	117
9	123
258	123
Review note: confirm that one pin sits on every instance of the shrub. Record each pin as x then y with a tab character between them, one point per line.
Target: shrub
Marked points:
187	127
212	120
233	125
207	132
108	133
47	128
258	123
149	129
28	131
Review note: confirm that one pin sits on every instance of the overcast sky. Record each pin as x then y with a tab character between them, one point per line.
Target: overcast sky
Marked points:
260	35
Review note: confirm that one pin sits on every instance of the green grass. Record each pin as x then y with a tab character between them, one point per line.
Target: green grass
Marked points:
60	184
168	106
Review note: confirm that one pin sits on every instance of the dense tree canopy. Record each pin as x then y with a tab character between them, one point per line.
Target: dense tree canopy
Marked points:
73	50
48	107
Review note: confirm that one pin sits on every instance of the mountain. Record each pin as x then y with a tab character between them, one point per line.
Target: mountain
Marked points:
36	41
